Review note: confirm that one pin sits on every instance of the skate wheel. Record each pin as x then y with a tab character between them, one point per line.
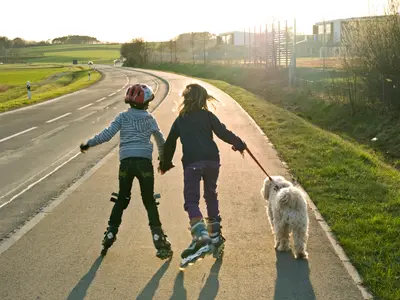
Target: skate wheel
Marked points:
219	252
164	254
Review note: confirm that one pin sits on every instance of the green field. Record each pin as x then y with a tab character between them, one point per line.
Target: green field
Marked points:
354	189
99	54
47	82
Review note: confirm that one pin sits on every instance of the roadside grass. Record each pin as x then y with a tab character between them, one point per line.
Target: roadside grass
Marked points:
47	82
356	192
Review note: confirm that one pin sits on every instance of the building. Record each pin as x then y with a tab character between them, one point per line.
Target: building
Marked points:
331	32
239	38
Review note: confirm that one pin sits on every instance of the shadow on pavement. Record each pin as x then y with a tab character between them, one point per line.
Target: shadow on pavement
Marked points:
179	288
211	287
152	286
80	290
292	281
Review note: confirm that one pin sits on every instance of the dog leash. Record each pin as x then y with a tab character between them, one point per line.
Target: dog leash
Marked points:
261	167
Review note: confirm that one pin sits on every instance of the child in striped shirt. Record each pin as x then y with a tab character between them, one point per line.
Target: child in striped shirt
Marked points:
137	126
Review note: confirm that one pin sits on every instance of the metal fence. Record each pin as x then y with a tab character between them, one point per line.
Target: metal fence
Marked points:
268	45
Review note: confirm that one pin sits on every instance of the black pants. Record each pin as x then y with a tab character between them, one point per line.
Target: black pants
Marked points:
142	169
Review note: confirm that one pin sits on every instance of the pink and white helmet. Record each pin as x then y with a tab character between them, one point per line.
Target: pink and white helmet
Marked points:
139	95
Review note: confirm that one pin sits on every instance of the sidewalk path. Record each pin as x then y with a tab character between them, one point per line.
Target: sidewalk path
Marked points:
59	257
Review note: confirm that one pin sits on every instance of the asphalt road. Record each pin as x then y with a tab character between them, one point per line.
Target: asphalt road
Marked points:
58	258
39	154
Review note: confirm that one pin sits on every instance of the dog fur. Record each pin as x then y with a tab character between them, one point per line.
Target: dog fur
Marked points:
287	213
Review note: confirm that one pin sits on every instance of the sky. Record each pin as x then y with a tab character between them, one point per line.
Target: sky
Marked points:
159	20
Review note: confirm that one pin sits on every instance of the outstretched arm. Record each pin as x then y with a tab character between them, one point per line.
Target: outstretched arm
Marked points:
107	133
226	135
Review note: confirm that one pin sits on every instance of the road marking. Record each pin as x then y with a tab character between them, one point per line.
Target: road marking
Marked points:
111	95
85	116
85	106
55	119
38	181
101	99
59	128
34	175
17	134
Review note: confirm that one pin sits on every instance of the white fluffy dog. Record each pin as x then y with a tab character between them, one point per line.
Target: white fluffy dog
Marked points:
287	212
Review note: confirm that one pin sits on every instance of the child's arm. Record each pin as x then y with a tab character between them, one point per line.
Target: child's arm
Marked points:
160	140
106	134
226	135
170	147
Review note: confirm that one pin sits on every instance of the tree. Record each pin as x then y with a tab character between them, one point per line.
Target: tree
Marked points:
19	43
75	39
371	57
135	53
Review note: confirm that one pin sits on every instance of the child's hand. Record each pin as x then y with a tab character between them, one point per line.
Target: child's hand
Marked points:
84	147
160	171
164	167
241	149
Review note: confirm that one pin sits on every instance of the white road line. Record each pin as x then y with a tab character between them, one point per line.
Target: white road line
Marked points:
33	176
127	82
156	89
55	119
101	99
85	106
17	134
111	95
85	116
37	181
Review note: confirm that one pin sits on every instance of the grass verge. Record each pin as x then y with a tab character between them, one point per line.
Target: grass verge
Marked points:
47	83
355	191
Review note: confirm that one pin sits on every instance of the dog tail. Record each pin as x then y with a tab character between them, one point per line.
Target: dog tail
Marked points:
291	197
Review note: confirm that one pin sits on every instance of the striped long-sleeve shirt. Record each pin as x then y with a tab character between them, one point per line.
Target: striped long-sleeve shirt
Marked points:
137	127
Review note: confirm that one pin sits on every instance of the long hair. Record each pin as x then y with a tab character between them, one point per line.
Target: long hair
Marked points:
195	98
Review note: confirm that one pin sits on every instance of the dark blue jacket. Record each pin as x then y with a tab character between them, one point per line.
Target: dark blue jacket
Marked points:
195	131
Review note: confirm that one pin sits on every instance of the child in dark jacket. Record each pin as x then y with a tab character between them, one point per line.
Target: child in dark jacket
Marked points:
137	126
195	126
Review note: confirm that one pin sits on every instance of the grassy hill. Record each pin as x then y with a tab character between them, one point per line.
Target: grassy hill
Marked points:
99	54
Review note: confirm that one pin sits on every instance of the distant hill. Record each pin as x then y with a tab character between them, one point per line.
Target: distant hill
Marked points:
64	53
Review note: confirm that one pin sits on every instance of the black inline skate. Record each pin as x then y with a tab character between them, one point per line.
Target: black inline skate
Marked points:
110	236
217	240
161	243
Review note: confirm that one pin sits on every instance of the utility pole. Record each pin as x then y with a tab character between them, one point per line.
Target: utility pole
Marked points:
204	51
193	47
250	47
245	46
170	49
324	47
161	51
266	45
175	50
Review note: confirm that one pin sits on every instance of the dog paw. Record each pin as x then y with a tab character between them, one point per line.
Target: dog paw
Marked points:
301	255
283	248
